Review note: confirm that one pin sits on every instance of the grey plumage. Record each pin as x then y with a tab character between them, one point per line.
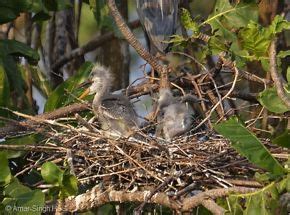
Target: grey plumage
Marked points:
115	112
175	115
159	20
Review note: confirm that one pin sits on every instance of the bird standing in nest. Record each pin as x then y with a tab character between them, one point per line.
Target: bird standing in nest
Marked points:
115	112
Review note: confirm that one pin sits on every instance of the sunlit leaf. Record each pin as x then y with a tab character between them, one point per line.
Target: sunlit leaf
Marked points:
264	201
188	22
270	100
70	185
283	139
254	40
248	145
278	25
52	174
225	17
62	95
217	44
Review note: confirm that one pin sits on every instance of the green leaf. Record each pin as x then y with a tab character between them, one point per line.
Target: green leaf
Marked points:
264	201
70	185
15	189
5	174
6	15
10	9
283	54
61	96
15	78
41	16
217	44
226	18
52	174
253	38
283	139
25	201
4	88
248	145
270	100
24	140
57	5
278	25
235	205
177	40
187	21
13	47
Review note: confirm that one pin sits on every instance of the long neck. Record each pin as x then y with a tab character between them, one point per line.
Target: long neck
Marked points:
102	91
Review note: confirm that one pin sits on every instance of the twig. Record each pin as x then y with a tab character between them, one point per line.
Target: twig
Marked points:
23	125
131	38
218	103
35	148
278	81
90	46
198	199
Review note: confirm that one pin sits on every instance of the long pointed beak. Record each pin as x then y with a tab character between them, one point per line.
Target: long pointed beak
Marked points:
86	83
85	93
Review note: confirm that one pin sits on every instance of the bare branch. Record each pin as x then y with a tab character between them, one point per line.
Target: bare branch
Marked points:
97	197
278	81
131	38
90	46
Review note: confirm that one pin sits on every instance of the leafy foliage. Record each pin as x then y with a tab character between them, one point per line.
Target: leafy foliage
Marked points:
62	95
246	143
14	195
233	29
62	181
264	201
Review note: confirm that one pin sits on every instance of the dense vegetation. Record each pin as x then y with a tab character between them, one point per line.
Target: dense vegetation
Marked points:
40	45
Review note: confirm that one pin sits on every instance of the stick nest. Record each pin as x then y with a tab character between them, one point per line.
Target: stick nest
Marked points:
201	161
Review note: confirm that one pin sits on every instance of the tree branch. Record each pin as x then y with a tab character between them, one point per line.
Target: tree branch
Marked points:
90	46
23	125
278	81
129	36
98	197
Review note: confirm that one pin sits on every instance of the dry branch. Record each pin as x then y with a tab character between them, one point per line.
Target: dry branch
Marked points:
278	80
131	38
98	197
90	46
27	124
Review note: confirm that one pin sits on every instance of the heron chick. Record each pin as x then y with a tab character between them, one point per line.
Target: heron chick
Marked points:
114	112
175	117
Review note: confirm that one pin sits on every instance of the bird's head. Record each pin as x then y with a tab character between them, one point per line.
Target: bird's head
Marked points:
99	81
